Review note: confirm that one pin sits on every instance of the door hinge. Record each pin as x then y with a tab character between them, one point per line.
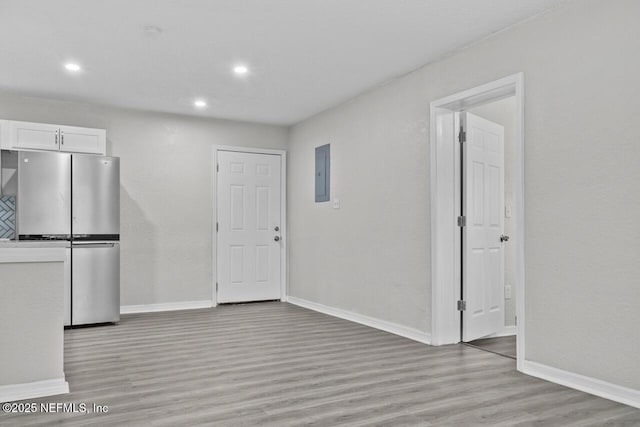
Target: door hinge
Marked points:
217	167
462	305
216	227
462	221
462	136
216	286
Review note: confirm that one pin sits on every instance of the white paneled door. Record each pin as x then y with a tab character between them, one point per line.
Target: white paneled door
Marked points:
249	225
482	246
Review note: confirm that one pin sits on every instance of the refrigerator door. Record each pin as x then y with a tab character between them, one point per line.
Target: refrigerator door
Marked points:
96	196
95	293
67	288
44	194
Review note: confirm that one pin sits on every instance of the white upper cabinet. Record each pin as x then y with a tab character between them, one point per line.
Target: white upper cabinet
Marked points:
43	136
82	140
33	136
4	132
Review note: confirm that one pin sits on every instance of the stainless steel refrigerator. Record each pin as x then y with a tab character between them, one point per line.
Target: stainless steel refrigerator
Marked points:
76	197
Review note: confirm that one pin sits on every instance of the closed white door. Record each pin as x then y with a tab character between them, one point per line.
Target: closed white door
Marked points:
249	225
483	250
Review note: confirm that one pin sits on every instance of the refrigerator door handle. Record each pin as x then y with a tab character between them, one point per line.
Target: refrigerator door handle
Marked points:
93	245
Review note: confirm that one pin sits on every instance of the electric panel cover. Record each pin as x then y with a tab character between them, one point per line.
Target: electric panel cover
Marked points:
322	173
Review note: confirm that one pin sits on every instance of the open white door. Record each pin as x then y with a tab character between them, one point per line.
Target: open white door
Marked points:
249	223
482	246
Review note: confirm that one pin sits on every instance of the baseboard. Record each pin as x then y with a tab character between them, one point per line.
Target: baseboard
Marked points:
610	391
13	392
508	331
166	306
394	328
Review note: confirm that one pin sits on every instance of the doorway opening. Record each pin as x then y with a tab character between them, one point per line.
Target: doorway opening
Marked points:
488	251
477	218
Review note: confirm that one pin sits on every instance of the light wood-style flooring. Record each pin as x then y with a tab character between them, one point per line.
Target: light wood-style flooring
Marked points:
280	365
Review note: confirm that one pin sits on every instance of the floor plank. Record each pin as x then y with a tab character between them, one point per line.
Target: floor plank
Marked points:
276	364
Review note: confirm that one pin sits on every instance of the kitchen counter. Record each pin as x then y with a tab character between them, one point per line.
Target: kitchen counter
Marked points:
33	244
33	250
32	282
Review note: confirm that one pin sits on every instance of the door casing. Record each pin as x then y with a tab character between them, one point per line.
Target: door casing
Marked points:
445	206
283	212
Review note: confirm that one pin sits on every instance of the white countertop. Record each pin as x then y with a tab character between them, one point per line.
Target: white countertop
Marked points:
33	244
12	251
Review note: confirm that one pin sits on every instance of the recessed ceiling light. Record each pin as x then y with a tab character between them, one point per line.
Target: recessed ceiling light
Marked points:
200	103
72	66
240	69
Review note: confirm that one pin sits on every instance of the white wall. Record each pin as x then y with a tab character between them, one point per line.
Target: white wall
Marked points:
165	192
503	112
371	256
581	152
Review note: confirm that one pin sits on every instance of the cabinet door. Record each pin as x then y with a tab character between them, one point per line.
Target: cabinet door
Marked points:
4	135
34	136
82	140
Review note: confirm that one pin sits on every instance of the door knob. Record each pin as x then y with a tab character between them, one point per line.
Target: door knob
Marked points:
277	238
504	238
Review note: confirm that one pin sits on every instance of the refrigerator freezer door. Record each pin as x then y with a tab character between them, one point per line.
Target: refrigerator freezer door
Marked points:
96	195
95	283
67	288
44	193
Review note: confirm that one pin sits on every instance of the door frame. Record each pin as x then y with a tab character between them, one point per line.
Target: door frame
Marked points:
283	214
445	206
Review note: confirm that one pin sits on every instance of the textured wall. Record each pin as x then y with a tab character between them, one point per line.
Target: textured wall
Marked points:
165	191
581	152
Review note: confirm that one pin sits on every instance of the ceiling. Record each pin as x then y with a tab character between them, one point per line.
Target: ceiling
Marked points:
303	55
